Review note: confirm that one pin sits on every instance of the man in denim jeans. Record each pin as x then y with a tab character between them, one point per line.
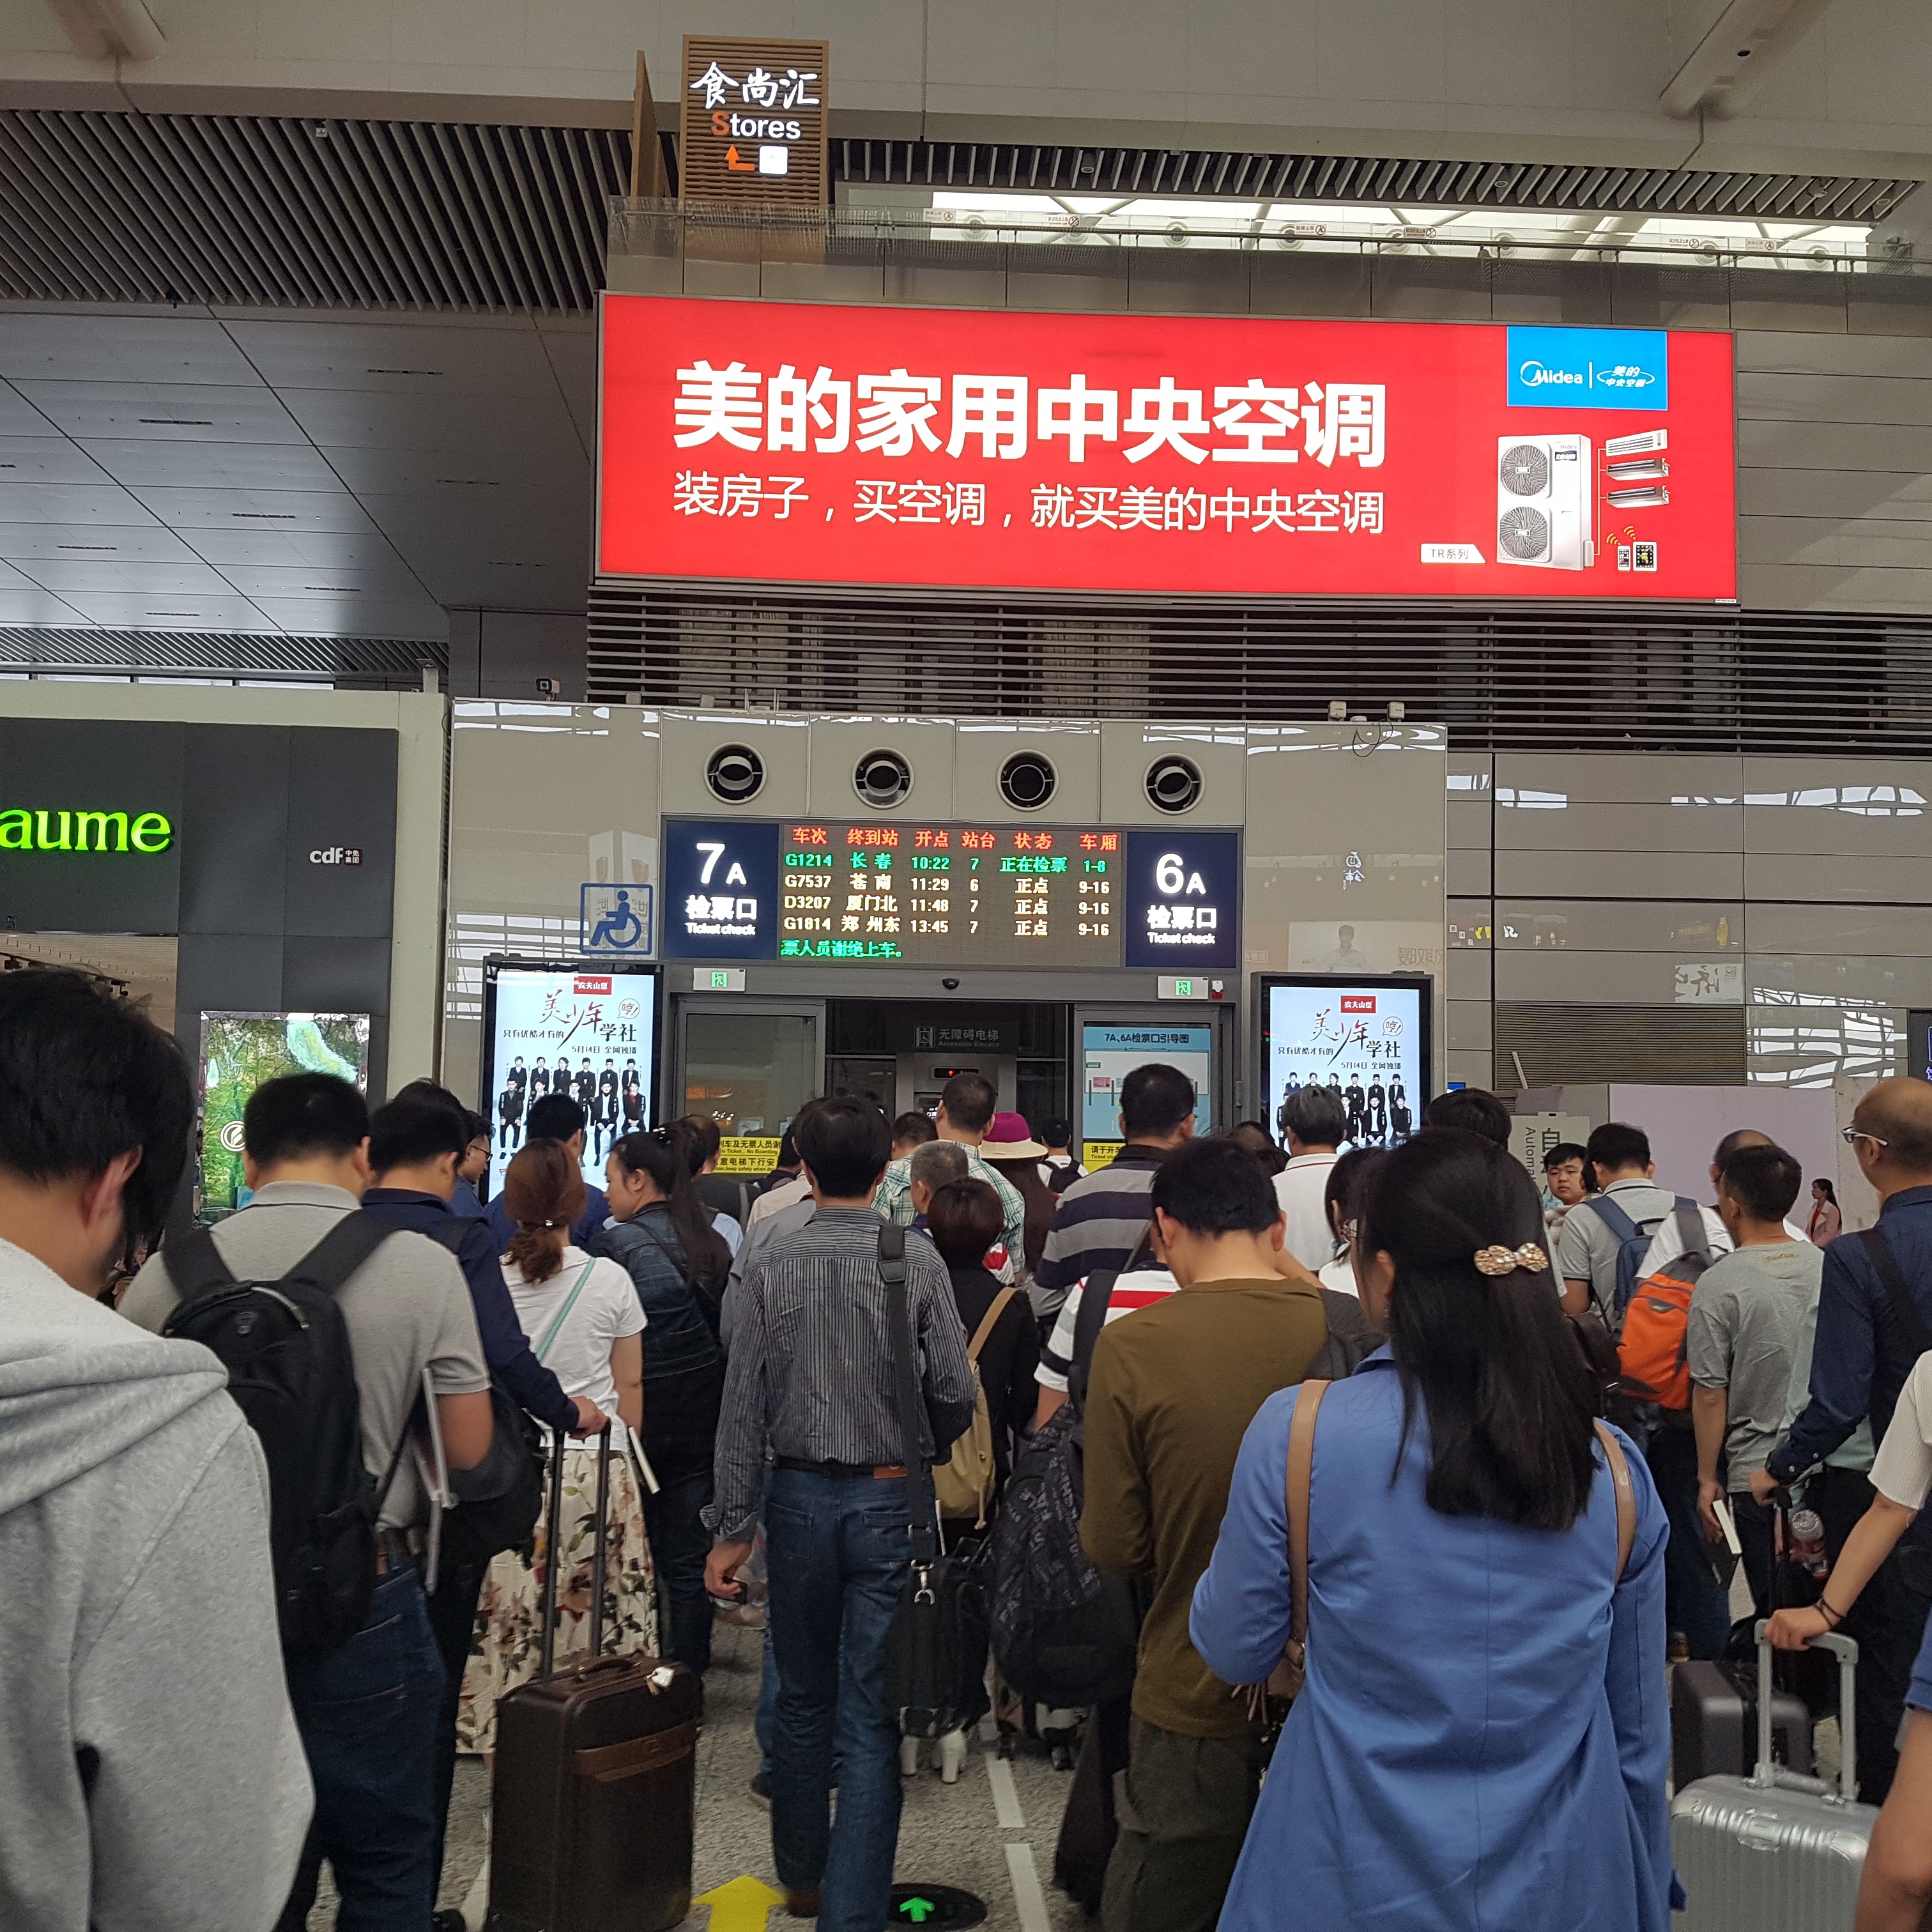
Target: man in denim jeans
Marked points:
811	1374
367	1712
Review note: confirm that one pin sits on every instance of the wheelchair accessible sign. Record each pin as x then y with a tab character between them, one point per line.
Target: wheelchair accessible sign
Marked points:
614	921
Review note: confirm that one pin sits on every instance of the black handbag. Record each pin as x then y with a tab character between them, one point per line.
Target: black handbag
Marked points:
936	1649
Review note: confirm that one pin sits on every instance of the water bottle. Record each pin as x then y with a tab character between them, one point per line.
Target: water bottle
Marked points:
1807	1543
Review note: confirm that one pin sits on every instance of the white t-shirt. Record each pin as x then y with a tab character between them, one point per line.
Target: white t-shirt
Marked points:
1141	1289
1902	1472
1339	1275
1299	1187
602	1315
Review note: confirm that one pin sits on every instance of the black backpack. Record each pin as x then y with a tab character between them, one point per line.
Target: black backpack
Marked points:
1063	1634
498	1502
285	1348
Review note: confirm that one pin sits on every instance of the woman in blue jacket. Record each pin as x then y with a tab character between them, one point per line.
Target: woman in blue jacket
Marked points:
663	1238
1483	1735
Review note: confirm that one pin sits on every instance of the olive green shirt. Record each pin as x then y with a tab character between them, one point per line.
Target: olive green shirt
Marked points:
1173	1389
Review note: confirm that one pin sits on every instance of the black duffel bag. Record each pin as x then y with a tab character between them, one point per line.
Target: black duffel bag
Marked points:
936	1649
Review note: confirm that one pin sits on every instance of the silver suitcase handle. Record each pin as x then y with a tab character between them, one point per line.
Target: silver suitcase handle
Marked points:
1770	1775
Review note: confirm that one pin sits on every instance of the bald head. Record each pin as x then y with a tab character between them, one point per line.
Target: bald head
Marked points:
1741	1137
1898	1112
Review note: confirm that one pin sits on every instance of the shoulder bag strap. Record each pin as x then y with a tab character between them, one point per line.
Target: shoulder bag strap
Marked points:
1691	1228
343	1250
986	1327
905	1376
195	1266
1097	1296
451	1232
1620	1476
1905	1310
650	1235
563	1313
1300	1485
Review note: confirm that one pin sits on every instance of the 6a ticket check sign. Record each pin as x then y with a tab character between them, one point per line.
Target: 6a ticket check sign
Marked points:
789	442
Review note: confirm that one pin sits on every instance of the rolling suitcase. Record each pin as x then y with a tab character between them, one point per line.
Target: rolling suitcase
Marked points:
1714	1724
1776	1852
595	1794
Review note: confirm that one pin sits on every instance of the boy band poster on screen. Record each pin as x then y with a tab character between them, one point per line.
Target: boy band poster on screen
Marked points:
588	1033
1365	1040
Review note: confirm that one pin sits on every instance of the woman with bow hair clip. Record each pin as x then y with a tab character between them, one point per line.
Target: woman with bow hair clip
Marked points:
1464	1571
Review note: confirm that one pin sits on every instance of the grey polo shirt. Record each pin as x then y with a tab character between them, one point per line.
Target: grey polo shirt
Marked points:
407	1308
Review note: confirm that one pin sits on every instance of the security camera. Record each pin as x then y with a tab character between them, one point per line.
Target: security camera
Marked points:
1338	710
951	986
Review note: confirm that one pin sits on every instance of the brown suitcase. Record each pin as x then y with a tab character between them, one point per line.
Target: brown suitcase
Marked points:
596	1788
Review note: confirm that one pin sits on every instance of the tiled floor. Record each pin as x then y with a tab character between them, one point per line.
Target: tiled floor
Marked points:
991	1833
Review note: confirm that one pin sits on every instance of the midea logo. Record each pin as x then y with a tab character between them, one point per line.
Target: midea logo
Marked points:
1620	376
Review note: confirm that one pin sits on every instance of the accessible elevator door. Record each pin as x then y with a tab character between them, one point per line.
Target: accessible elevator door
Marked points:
748	1064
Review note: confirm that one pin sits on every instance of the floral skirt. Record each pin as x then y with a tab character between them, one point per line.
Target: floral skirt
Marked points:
508	1645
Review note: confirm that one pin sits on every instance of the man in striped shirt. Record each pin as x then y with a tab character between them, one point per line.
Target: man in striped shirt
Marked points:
811	1377
1099	1221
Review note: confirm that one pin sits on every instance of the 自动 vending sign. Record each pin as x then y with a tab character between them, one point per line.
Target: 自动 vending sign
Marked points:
818	443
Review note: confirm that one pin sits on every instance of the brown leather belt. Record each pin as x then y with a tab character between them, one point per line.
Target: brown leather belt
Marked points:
878	1472
393	1551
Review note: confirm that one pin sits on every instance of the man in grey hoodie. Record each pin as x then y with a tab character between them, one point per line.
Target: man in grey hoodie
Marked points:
153	1778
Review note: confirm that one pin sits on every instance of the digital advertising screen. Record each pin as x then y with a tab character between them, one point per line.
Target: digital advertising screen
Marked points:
239	1051
1237	455
588	1033
1366	1040
1110	1051
911	894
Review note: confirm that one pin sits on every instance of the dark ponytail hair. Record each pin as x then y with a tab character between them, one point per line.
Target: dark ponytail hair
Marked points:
671	1155
1509	1397
543	1193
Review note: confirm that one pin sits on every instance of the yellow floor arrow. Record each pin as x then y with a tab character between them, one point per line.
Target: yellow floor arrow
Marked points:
743	1906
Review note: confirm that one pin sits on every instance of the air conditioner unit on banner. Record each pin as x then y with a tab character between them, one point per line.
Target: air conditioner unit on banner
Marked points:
1544	491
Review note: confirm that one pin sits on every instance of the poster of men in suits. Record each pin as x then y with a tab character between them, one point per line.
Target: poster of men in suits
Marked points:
1366	1041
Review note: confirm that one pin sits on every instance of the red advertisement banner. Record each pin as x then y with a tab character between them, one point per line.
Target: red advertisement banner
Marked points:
812	443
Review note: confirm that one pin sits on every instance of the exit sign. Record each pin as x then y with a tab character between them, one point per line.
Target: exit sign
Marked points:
1191	986
752	121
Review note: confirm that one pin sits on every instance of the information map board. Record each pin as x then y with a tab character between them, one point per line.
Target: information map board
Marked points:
949	894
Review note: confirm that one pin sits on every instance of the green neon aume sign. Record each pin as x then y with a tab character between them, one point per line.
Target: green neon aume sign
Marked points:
145	832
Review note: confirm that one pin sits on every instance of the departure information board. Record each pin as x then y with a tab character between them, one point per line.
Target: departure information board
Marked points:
951	895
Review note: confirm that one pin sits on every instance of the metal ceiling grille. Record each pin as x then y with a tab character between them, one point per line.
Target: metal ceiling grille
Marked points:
1552	677
394	663
249	210
1044	168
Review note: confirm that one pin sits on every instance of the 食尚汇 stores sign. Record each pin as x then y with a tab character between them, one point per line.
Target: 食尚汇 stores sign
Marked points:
22	830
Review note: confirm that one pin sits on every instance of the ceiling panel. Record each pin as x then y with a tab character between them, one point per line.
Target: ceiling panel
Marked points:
68	503
502	356
539	426
67	576
30	606
136	610
162	411
129	543
254	545
420	617
19	417
187	509
390	578
269	466
46	459
78	346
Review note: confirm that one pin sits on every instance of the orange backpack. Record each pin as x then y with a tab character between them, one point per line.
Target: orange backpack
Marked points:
1651	1351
